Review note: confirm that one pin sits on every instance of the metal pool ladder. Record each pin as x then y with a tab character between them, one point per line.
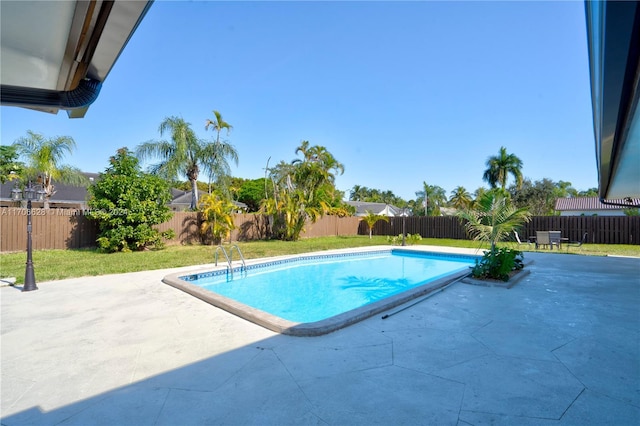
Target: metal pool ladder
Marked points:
229	257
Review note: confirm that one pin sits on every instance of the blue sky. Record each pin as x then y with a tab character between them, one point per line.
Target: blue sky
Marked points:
400	93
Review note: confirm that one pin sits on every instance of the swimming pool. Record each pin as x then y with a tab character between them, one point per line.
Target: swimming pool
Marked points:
319	293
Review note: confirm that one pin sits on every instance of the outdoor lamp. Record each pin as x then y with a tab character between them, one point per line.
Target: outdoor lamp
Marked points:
29	194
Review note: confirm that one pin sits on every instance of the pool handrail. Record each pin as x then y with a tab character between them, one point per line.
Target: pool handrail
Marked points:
229	257
244	264
229	268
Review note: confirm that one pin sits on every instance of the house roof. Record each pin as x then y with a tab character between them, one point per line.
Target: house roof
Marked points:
614	57
57	54
589	203
65	194
183	198
362	207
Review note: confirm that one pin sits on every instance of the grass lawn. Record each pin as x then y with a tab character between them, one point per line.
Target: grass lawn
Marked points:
59	264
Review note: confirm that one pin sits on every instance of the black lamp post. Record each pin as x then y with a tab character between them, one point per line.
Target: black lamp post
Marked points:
404	216
29	194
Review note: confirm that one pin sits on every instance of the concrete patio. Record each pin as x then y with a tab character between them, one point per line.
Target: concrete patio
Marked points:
562	347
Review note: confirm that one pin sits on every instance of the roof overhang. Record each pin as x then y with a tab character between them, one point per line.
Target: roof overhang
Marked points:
56	54
613	31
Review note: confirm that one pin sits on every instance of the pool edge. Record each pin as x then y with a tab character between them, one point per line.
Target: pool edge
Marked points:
317	328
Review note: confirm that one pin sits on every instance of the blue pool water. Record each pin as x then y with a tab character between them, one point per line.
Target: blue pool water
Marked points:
315	288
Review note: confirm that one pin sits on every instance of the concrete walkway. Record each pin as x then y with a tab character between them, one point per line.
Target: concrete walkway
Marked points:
561	347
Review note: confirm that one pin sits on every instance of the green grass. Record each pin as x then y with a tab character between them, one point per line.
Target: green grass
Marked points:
59	264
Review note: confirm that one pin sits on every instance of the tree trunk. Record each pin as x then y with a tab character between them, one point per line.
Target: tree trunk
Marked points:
194	194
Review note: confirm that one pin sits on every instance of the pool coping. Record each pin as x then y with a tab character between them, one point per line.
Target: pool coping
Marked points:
328	325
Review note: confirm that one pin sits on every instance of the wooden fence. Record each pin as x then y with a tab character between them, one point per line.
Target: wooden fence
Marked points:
600	229
66	228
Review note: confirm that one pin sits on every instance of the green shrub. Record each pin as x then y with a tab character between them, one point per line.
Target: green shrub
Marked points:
127	204
498	264
410	239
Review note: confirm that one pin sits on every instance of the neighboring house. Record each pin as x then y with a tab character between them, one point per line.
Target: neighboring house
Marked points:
65	196
448	211
181	201
590	206
382	209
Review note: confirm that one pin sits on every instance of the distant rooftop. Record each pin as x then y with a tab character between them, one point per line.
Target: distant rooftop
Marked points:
590	203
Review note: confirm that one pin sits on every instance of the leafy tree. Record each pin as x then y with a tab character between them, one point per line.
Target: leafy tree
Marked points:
434	197
218	216
10	168
493	218
127	203
43	161
500	166
540	196
460	198
591	192
185	153
371	219
565	190
252	193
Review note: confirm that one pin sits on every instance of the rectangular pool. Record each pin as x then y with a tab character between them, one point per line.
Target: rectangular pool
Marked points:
316	294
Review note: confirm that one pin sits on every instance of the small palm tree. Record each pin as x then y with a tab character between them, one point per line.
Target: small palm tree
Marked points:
43	161
500	166
218	216
371	219
493	219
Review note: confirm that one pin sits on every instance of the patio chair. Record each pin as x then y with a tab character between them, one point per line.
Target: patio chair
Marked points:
555	237
542	239
578	243
518	239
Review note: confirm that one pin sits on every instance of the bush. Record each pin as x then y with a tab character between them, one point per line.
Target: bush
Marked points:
127	203
410	239
498	264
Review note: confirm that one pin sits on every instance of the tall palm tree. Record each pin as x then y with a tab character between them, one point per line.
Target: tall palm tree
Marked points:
434	196
43	161
500	166
185	153
217	153
460	198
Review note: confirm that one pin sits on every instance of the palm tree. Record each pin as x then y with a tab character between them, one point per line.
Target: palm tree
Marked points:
371	218
218	216
460	198
185	153
43	161
215	160
358	193
500	166
434	196
494	218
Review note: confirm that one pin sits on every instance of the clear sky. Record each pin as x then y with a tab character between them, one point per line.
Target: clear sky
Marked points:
399	92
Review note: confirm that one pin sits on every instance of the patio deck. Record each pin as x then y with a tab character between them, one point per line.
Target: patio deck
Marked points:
561	347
